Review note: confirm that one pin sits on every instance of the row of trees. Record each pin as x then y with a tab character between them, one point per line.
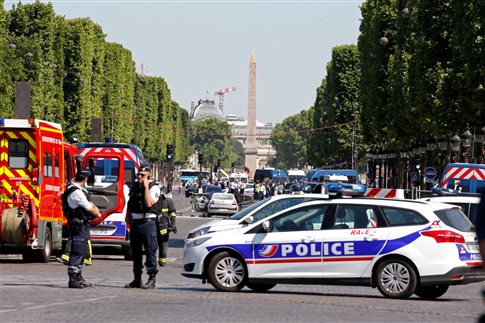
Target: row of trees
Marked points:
76	75
417	72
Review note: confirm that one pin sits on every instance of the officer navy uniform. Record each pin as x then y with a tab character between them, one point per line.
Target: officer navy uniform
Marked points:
166	224
143	230
79	210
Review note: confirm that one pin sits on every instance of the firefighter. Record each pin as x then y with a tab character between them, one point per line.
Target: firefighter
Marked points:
143	210
166	224
80	210
88	255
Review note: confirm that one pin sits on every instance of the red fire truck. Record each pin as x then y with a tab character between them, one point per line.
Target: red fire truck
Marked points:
35	165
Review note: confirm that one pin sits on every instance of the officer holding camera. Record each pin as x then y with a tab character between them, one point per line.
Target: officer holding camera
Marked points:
142	217
79	209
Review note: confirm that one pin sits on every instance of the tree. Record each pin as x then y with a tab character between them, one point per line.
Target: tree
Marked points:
212	137
290	145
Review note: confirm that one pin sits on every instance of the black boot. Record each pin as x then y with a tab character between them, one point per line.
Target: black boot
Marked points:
74	281
83	281
151	282
136	283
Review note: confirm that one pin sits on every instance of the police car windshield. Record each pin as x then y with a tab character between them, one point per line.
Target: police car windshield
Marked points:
455	218
246	211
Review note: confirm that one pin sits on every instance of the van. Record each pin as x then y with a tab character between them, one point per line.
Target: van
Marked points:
272	174
463	177
321	174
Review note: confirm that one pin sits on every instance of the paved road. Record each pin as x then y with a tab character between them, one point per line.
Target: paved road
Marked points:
39	293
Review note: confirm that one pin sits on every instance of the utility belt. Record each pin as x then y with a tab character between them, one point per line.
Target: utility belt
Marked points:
141	221
78	221
143	216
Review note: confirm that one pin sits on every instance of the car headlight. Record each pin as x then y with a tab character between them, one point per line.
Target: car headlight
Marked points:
198	233
196	242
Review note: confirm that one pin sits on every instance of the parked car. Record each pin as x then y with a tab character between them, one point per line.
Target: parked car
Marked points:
222	203
402	247
253	213
467	202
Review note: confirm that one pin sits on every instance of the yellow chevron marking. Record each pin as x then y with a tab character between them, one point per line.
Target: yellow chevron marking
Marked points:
29	137
51	130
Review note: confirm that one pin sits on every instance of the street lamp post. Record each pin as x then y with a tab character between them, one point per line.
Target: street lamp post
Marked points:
455	147
466	143
353	153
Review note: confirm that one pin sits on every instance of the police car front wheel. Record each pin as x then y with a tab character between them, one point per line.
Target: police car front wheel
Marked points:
227	272
396	278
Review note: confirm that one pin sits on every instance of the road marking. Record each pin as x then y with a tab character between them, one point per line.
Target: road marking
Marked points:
55	304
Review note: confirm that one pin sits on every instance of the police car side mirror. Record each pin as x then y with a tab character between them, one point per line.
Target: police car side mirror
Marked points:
249	219
266	226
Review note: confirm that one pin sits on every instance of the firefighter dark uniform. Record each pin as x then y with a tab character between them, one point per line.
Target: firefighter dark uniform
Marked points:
88	256
166	224
143	229
79	209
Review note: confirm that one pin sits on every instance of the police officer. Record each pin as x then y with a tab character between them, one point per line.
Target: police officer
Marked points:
142	216
79	209
166	224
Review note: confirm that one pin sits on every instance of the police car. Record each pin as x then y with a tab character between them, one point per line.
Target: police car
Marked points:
254	213
399	246
467	202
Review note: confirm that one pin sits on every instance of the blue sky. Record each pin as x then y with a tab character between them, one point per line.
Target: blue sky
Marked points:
202	46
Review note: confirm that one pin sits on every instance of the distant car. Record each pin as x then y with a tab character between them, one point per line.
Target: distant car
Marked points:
222	203
468	203
249	189
190	189
211	189
253	213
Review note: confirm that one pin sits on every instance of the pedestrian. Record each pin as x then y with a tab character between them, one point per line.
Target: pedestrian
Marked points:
166	224
79	209
142	216
480	229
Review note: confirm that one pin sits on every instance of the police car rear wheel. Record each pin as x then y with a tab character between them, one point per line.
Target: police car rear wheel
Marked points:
431	292
227	272
396	278
259	288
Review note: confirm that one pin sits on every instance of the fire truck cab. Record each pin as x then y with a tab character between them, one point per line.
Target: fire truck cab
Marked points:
35	165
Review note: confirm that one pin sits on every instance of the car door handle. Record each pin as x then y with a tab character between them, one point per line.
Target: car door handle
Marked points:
370	238
308	239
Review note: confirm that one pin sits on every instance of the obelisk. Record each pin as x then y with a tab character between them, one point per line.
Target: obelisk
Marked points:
251	142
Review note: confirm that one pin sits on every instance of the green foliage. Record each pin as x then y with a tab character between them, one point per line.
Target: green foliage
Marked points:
76	75
212	137
289	142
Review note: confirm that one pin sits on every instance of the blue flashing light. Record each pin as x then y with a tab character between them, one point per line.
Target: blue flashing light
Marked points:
2	122
108	140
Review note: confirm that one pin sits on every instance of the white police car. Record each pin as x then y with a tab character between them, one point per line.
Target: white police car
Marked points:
254	213
467	202
399	246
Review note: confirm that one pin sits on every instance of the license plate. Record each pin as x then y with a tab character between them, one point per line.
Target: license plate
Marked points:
97	232
472	247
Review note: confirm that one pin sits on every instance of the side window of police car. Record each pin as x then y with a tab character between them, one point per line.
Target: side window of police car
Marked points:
302	219
399	217
355	217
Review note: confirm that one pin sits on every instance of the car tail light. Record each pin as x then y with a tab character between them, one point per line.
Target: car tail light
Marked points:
213	202
234	203
444	236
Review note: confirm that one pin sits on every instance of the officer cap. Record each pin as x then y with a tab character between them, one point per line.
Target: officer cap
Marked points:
145	169
82	174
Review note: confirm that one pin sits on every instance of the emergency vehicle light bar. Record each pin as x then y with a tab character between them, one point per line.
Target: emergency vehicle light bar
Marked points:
2	122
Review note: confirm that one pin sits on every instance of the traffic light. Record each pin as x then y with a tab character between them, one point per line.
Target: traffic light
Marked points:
201	158
169	152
